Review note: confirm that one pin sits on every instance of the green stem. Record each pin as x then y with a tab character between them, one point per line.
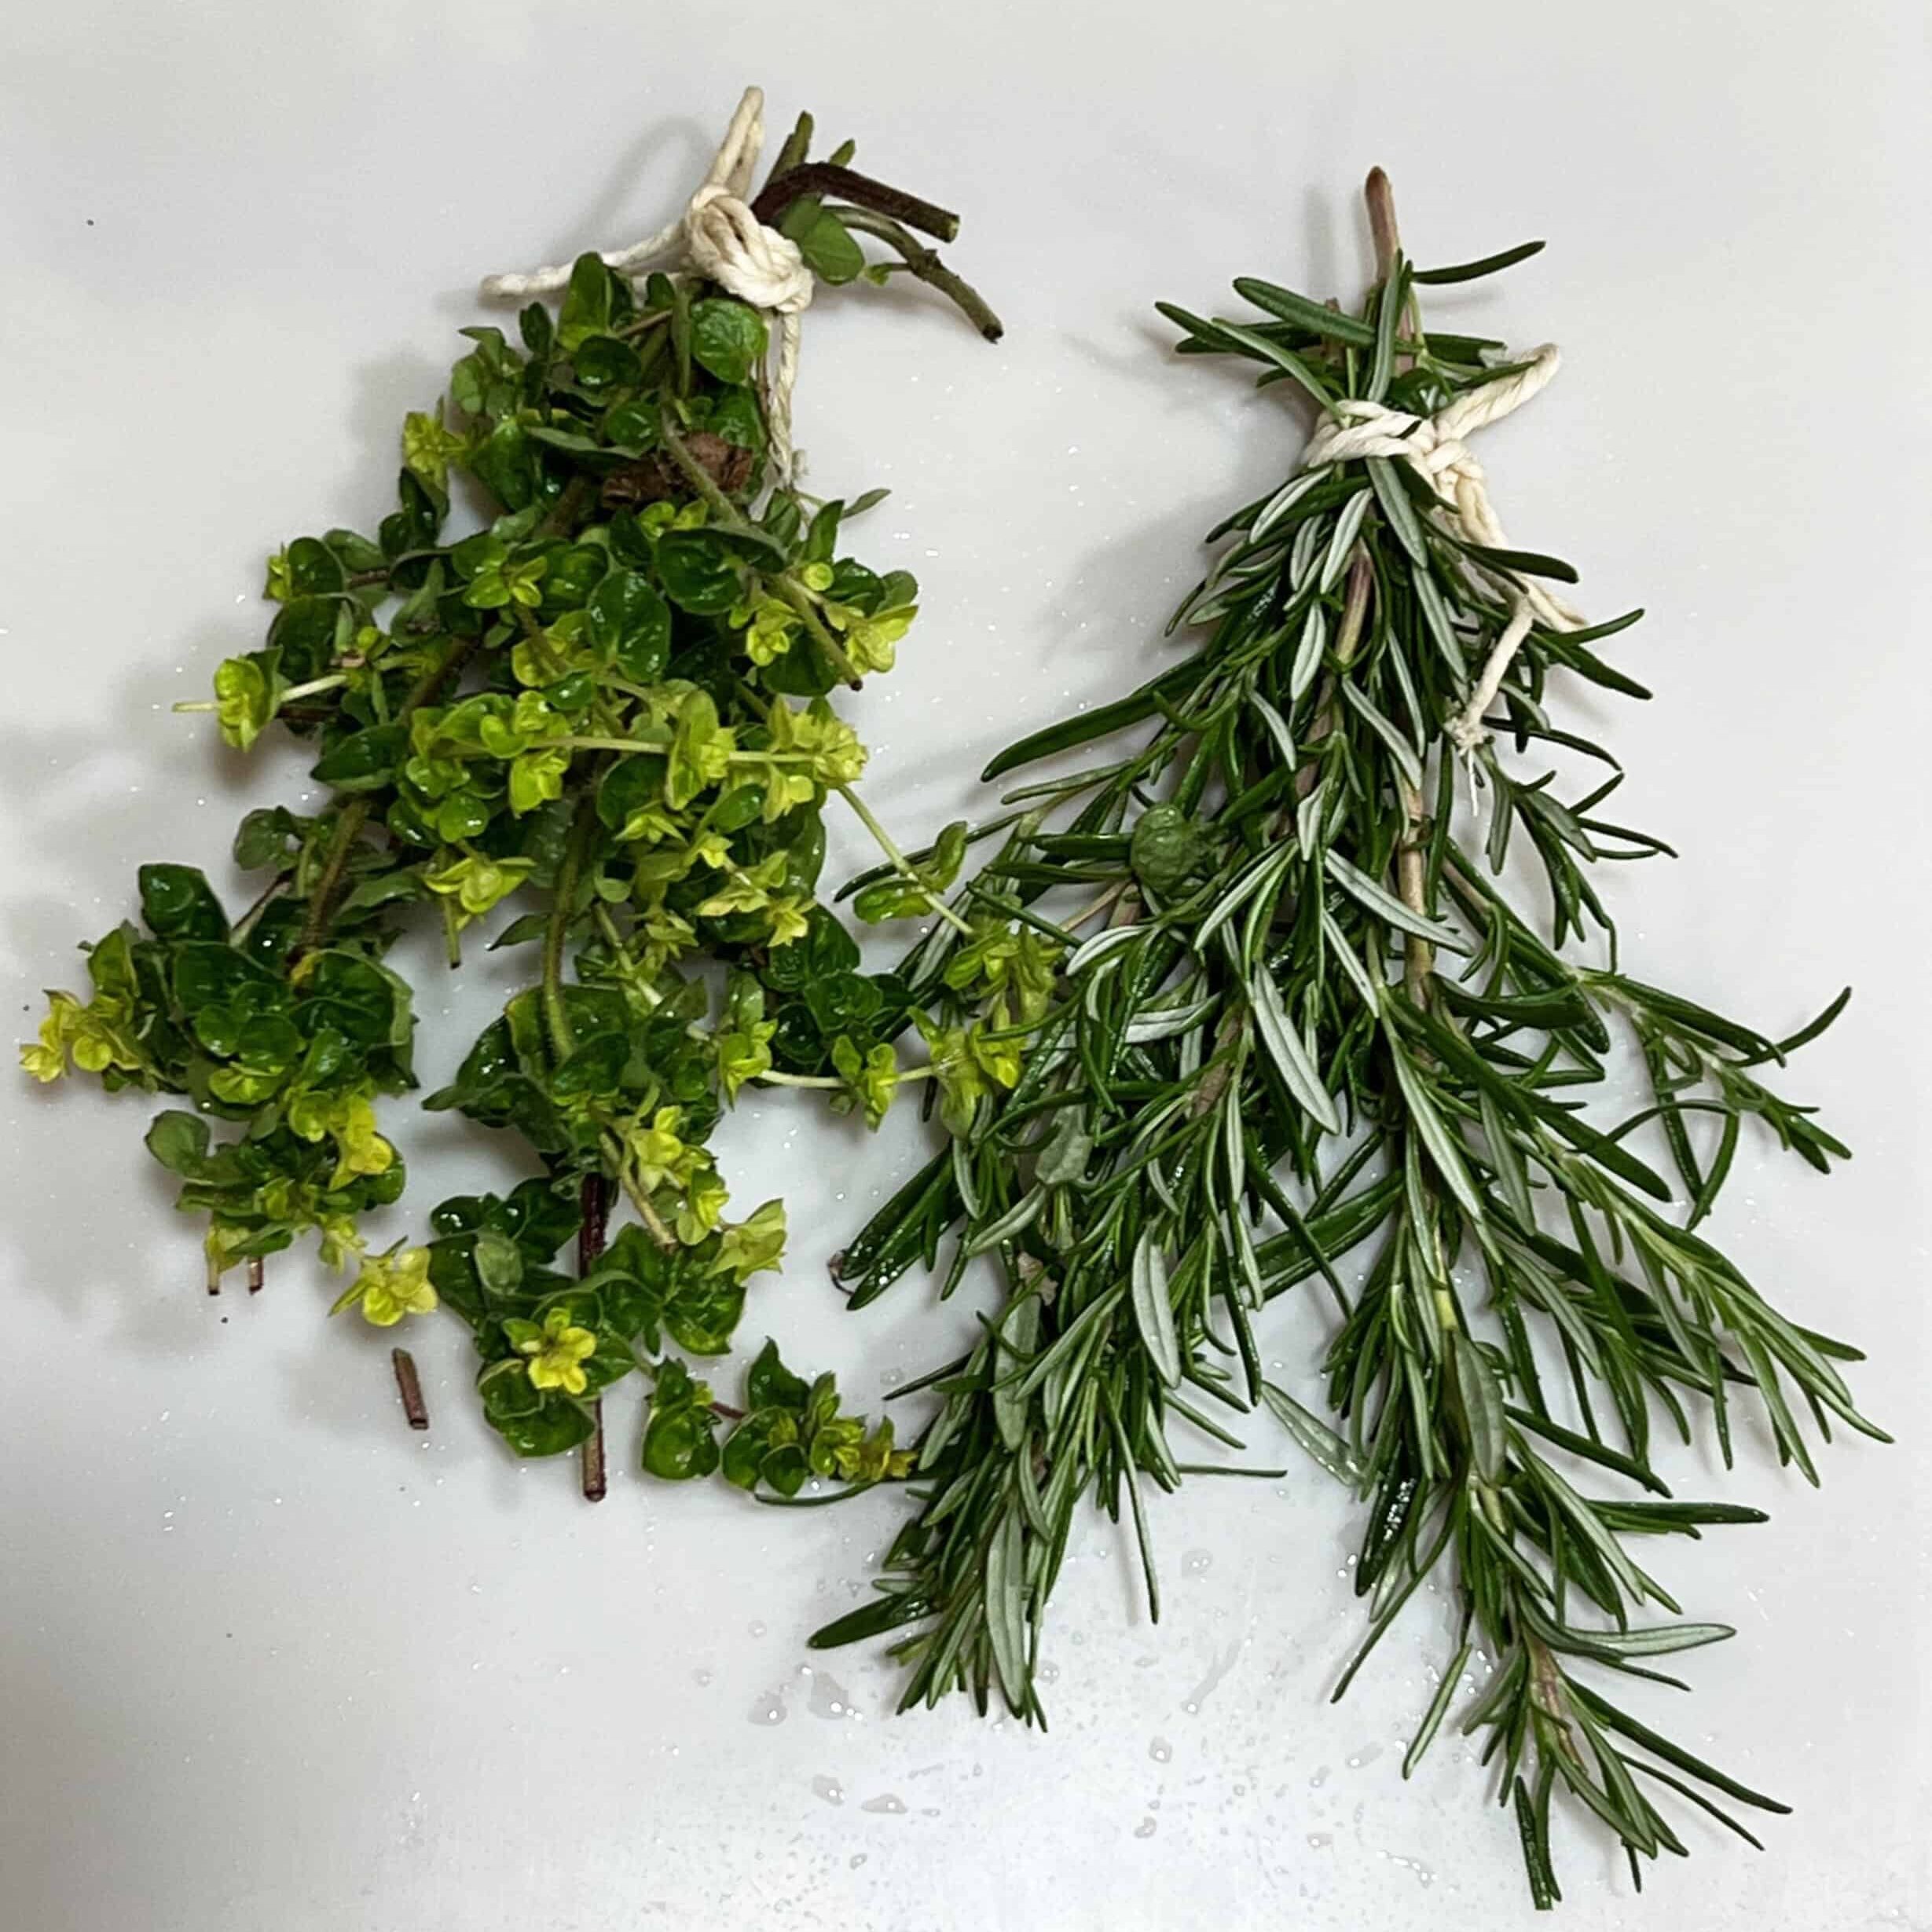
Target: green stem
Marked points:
583	826
652	1221
924	264
575	494
900	863
322	900
799	599
664	744
831	1083
355	814
797	146
701	479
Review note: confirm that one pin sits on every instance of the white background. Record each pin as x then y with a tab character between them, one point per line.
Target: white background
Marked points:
267	1660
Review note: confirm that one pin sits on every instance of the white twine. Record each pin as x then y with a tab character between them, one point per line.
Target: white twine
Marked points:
1433	446
720	237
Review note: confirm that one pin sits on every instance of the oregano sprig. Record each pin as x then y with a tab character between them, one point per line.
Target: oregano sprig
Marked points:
610	702
1283	1007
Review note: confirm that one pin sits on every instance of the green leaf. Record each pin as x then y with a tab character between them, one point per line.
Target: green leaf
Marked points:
1445	1151
180	1142
698	571
1482	1407
727	338
828	247
1319	1442
177	902
587	303
1288	1051
605	362
1489	264
769	1384
1387	907
629	622
679	1444
366	760
534	1422
1006	1606
1153	1309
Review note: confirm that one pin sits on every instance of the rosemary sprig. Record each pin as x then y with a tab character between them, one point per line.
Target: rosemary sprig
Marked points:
1299	1014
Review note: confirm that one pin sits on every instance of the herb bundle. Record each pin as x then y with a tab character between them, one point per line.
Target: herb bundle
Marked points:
1267	995
613	700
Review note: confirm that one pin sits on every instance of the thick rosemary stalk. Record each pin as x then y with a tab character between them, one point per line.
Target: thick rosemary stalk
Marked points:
1295	1011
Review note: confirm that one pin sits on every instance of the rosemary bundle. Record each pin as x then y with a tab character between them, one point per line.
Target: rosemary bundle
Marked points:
606	699
1256	992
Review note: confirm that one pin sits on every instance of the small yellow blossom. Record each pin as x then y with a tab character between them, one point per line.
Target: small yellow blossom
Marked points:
391	1286
558	1352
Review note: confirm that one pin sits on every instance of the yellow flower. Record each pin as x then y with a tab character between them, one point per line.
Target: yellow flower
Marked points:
95	1035
788	920
743	1053
703	1203
48	1060
339	1245
391	1286
746	1247
476	882
360	1149
558	1353
659	1154
871	643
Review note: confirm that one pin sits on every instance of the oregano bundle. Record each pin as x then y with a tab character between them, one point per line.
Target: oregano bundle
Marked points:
579	683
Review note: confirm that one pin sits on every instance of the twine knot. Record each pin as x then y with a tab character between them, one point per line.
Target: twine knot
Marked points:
1435	447
727	244
719	237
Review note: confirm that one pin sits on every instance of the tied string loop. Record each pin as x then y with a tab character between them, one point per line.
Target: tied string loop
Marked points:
1435	447
719	237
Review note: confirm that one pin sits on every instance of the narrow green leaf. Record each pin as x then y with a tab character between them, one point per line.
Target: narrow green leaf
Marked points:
1388	908
1153	1309
1320	1442
1289	1052
1005	1589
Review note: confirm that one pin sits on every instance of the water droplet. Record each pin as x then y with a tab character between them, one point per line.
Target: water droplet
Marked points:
700	1677
1367	1755
757	1629
889	1803
1049	1674
1320	1841
1221	1666
829	1698
1145	1828
769	1709
1197	1563
1320	1778
1160	1750
855	1860
830	1789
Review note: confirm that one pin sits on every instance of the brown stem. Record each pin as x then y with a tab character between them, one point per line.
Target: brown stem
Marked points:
594	1204
409	1386
1411	860
254	1274
821	178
